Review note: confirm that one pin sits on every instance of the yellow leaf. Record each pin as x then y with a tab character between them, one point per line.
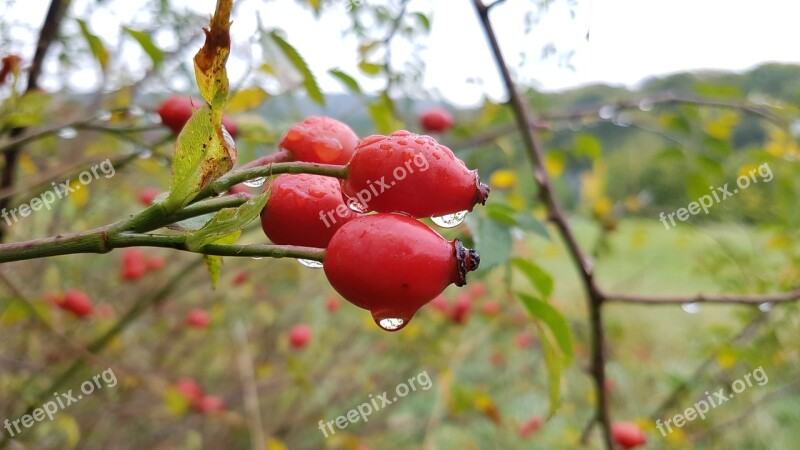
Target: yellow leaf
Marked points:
632	203
209	62
602	207
726	358
80	194
503	179
13	312
274	444
779	241
69	426
27	165
554	163
721	127
176	402
246	99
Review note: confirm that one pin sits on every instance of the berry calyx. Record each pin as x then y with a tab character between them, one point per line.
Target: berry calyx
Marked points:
392	265
436	120
304	210
321	140
74	301
198	318
175	111
413	174
299	335
628	434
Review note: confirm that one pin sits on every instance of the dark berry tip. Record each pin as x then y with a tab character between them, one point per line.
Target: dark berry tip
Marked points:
467	260
483	191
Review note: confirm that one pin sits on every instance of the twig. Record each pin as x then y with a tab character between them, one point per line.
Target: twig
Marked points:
756	299
558	217
47	35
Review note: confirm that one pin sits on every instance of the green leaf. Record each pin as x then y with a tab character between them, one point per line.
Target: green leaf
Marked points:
553	319
246	99
555	367
214	262
309	82
423	20
146	42
382	113
201	156
95	44
529	223
192	223
587	145
370	68
226	221
492	241
540	279
346	79
501	213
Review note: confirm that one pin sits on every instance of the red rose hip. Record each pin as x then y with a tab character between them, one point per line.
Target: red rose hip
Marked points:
177	110
628	434
392	265
320	140
299	336
412	174
436	120
304	210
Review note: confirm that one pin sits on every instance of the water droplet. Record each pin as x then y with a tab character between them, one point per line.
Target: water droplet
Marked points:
622	120
154	118
104	116
67	133
354	203
258	257
794	129
450	220
391	324
255	182
145	154
765	307
691	308
310	263
607	112
136	111
646	104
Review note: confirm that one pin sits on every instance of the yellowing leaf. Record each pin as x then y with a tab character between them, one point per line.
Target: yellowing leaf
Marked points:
176	402
554	164
209	62
274	444
13	311
69	427
246	99
503	179
727	358
632	203
602	207
721	127
95	44
80	194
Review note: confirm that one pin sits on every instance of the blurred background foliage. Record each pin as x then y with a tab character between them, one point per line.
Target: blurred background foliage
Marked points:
618	156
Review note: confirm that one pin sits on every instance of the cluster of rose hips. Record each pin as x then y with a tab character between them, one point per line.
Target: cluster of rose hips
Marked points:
136	264
378	255
202	403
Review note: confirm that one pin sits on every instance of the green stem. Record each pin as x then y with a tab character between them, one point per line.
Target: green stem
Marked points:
227	181
102	240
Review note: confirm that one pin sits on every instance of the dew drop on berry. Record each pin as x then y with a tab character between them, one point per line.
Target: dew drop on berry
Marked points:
255	182
354	203
691	308
391	324
310	263
67	133
450	220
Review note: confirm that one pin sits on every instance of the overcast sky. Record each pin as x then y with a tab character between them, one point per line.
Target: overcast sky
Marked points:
628	39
